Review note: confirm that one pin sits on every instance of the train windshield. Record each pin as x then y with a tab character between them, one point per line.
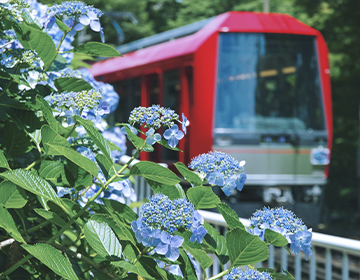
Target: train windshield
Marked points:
268	82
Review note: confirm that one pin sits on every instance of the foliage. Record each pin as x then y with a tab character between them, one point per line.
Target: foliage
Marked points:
62	192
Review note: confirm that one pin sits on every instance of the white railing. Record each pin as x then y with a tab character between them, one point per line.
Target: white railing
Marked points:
332	257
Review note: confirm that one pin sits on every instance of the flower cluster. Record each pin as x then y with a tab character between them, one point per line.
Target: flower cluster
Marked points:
284	222
13	8
251	274
76	15
220	169
160	218
12	57
154	117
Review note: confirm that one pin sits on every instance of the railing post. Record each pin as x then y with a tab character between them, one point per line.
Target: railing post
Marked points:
284	259
298	266
312	271
271	259
328	264
345	267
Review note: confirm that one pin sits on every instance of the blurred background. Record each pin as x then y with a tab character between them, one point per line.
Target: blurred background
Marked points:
337	20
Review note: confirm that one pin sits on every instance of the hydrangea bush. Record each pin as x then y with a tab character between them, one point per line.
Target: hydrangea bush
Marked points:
64	196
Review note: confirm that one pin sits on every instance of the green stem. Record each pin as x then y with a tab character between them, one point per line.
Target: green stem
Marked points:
220	274
33	164
39	226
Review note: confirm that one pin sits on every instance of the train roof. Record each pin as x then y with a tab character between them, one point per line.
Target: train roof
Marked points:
156	48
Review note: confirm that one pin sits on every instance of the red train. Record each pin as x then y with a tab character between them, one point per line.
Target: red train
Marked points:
253	85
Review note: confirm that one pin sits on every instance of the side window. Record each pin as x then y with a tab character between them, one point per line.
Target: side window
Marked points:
171	99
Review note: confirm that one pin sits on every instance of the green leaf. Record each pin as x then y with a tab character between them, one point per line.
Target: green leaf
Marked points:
102	239
36	40
71	84
145	268
196	251
53	259
76	158
50	136
164	143
32	21
202	197
138	142
59	64
16	141
120	209
63	27
3	161
8	224
189	175
186	266
217	243
11	196
104	164
122	230
245	248
230	216
154	172
50	216
32	183
96	49
77	177
275	238
96	136
47	112
53	171
172	192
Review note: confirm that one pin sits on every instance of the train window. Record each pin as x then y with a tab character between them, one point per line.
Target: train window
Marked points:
171	99
268	82
130	97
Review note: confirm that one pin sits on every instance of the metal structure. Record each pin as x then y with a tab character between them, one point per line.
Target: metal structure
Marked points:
253	85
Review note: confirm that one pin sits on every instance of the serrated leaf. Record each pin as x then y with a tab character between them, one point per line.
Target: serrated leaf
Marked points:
76	158
63	27
8	224
71	84
11	196
47	112
3	161
165	143
96	49
59	64
16	141
97	138
145	268
202	197
50	216
32	21
275	238
32	183
245	248
50	136
154	172
189	175
53	171
217	243
53	259
196	251
120	209
122	230
172	192
102	239
230	216
104	165
138	142
186	266
36	40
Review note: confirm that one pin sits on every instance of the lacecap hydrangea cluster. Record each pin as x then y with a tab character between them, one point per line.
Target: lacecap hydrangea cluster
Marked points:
155	117
160	218
75	15
220	169
251	274
286	223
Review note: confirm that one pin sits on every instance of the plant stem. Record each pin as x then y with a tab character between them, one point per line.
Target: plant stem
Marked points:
220	274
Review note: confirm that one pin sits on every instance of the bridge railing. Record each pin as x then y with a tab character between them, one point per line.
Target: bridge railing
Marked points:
333	258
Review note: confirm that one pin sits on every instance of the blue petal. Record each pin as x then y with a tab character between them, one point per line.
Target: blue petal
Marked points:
173	254
173	142
176	241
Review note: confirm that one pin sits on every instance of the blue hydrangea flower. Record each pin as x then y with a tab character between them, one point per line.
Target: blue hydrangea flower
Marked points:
173	135
91	18
152	137
250	274
220	169
184	123
284	222
169	245
198	234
